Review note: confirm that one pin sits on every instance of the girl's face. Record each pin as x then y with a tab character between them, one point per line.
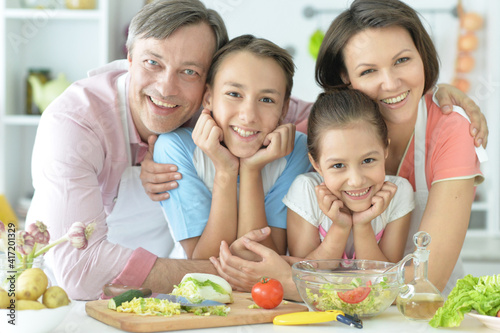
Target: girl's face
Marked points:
385	64
352	163
247	101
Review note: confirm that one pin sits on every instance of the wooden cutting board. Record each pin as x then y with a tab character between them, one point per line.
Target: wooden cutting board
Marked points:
240	314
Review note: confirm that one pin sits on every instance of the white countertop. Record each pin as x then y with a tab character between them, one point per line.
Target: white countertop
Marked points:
481	248
391	320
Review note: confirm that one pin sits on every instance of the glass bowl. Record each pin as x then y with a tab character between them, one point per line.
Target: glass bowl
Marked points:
353	286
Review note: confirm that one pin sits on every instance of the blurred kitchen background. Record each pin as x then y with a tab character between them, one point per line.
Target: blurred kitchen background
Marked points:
55	42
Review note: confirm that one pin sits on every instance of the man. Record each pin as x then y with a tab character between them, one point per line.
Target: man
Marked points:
92	139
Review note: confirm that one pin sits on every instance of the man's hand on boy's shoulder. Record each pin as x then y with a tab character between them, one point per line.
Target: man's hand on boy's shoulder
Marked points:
157	179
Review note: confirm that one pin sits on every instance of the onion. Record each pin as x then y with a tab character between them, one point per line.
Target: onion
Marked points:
461	84
465	63
471	21
467	42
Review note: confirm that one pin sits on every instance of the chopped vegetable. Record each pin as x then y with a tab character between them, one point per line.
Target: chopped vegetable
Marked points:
356	295
163	307
328	297
150	306
470	293
219	310
127	296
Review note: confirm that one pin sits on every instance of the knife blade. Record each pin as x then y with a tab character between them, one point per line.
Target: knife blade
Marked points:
113	289
185	302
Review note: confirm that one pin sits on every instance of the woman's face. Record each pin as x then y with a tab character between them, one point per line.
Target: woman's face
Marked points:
247	100
352	163
385	64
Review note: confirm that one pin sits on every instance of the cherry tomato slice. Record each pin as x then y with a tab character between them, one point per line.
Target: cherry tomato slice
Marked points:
356	295
267	293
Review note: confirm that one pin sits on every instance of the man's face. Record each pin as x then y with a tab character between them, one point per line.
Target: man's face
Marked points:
168	78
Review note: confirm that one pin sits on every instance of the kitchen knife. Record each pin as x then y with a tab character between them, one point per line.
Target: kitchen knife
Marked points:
185	302
112	290
301	318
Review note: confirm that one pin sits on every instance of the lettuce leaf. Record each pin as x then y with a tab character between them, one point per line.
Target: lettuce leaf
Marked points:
470	293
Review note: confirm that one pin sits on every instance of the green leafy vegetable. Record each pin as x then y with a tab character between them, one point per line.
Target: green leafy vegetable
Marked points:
190	287
470	293
218	310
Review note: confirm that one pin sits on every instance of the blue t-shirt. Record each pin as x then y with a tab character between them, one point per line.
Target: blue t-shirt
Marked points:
188	208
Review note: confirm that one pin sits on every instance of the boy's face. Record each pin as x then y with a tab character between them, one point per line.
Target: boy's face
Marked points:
352	163
247	101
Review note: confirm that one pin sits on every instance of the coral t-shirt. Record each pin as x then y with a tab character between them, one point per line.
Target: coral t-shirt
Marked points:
450	151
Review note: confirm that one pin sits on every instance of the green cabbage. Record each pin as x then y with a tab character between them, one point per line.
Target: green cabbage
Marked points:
190	288
470	293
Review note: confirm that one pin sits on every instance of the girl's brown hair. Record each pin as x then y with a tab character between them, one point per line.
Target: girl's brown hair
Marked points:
340	108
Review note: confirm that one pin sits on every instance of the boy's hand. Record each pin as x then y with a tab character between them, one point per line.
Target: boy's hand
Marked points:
277	144
332	207
208	136
380	202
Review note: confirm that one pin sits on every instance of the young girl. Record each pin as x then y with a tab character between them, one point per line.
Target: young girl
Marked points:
238	162
349	208
381	48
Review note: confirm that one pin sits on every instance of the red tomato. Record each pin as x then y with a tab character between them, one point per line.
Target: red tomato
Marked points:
267	293
356	295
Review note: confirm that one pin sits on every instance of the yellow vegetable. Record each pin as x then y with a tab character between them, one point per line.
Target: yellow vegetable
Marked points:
31	284
55	297
150	306
29	305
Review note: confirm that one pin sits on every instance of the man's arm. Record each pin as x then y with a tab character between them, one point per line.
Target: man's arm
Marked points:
447	96
169	272
67	157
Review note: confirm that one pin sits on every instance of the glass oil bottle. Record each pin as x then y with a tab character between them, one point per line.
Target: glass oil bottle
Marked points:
419	299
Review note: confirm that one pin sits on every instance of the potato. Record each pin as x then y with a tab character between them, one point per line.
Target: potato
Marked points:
55	297
29	305
31	284
4	299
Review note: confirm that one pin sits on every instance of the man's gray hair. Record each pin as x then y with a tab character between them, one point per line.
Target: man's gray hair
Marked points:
161	18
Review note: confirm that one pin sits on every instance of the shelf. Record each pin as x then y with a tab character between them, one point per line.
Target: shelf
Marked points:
22	120
52	14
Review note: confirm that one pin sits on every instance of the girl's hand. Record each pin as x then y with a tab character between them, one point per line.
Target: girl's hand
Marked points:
380	202
277	144
208	136
332	207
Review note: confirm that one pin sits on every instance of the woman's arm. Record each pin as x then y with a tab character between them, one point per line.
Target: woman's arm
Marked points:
446	219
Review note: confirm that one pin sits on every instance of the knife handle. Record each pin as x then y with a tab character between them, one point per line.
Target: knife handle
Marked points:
301	318
113	289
